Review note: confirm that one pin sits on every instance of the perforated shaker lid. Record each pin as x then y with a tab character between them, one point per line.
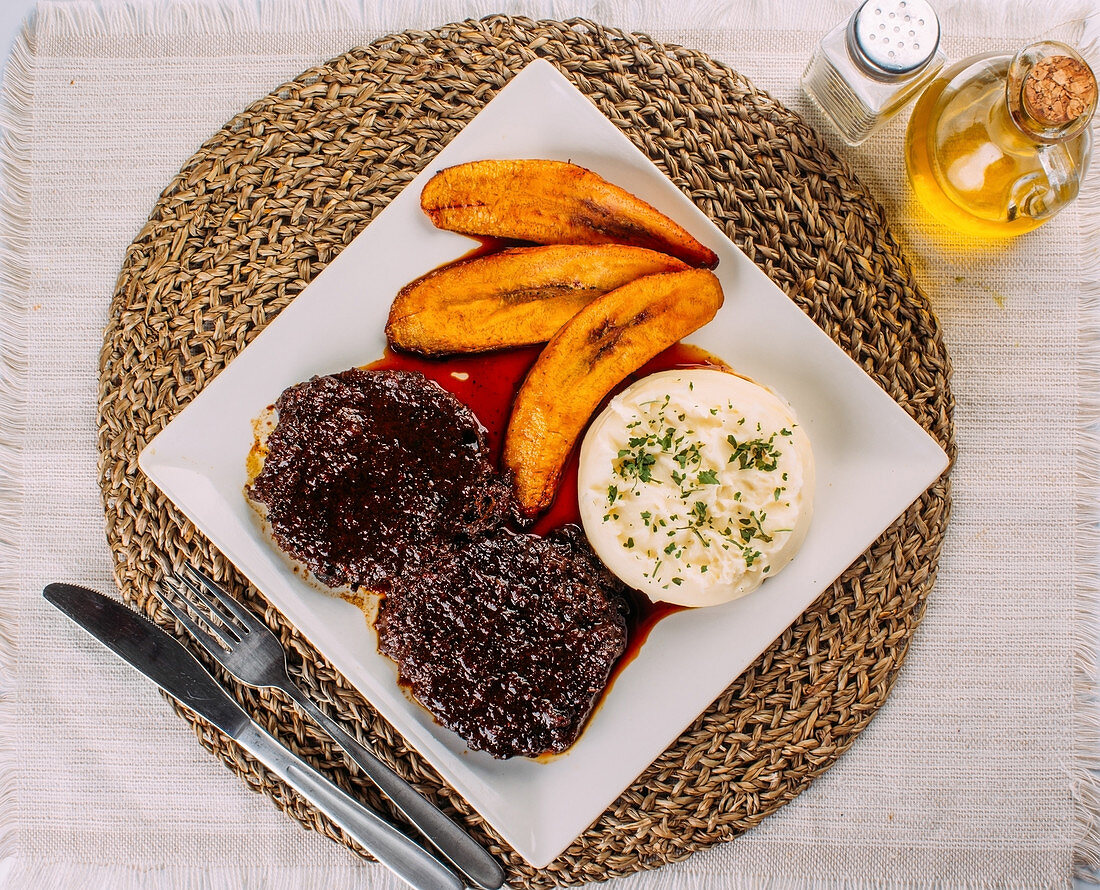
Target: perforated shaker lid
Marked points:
894	38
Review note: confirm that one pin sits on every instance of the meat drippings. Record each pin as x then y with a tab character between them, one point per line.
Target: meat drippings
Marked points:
510	641
370	475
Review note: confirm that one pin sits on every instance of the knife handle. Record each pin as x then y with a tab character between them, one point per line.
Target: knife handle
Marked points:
402	855
466	854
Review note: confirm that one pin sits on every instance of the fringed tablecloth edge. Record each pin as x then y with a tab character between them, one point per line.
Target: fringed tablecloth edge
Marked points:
1086	768
16	117
99	18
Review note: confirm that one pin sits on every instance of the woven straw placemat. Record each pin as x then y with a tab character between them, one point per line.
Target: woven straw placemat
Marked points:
268	201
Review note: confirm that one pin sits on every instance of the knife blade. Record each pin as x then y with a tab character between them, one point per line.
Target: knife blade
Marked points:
165	661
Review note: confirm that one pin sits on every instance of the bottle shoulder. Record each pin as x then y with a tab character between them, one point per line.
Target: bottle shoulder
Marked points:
985	66
974	92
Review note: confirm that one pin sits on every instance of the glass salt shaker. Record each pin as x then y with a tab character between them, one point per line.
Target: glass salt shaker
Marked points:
867	68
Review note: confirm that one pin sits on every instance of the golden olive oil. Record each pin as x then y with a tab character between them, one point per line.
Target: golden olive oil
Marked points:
980	161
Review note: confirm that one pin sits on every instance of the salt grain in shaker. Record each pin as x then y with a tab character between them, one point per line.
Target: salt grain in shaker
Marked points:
867	68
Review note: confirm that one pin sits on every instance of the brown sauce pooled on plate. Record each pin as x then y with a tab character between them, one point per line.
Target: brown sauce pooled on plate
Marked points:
487	383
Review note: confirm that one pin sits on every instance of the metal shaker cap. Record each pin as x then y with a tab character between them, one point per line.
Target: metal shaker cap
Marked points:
893	39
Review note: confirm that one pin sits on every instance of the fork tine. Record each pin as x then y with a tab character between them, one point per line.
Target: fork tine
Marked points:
230	624
210	639
250	621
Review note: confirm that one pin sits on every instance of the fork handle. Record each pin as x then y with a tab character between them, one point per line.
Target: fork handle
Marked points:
440	830
401	854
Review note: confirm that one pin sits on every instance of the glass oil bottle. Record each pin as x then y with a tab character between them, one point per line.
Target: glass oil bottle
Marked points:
867	68
998	144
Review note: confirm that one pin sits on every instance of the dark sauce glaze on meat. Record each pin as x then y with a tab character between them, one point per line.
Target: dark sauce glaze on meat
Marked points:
370	474
510	641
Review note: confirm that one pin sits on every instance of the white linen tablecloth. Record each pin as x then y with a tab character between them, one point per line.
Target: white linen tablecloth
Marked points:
974	774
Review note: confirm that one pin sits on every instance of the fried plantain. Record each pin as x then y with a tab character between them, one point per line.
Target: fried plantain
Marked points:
513	298
610	338
551	202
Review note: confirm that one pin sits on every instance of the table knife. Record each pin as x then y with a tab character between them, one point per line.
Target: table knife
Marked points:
165	661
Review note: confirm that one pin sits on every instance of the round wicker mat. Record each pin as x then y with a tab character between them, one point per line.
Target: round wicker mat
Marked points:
268	201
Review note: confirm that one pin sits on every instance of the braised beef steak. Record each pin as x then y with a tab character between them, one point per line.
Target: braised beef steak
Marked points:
381	480
370	474
509	642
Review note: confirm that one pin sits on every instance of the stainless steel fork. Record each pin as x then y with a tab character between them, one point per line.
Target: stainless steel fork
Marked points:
246	647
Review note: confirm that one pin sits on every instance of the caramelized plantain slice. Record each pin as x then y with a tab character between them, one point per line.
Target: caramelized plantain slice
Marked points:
513	298
551	202
610	338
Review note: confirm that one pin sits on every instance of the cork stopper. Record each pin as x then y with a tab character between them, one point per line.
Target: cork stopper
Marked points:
1058	90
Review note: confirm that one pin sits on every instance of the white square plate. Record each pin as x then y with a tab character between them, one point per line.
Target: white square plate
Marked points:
872	462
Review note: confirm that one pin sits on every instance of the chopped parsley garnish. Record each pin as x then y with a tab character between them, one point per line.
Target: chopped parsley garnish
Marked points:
759	454
661	436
